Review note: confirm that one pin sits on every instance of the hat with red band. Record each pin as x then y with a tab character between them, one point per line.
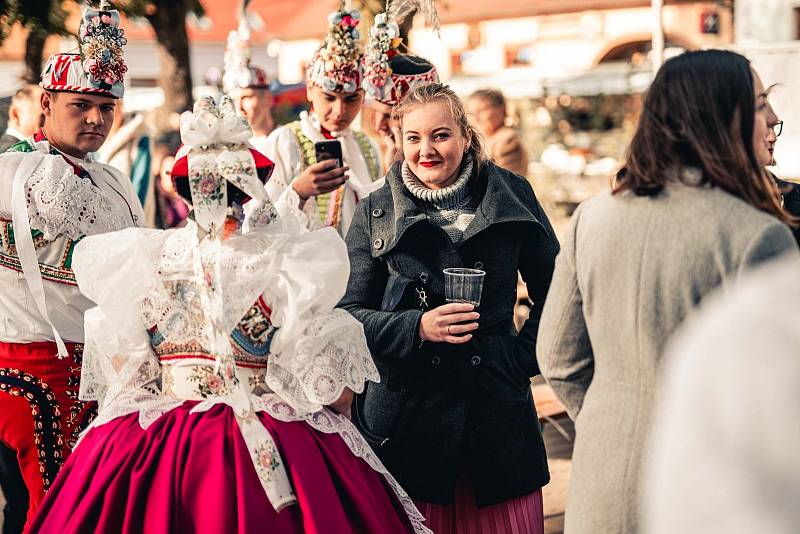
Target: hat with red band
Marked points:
389	74
99	68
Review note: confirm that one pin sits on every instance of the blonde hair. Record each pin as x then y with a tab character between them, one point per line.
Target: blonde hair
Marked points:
423	94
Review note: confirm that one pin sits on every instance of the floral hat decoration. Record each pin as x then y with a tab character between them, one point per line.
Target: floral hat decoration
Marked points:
100	67
336	65
388	73
239	73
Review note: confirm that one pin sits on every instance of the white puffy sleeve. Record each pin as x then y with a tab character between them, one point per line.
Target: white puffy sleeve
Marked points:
58	201
283	150
318	350
116	271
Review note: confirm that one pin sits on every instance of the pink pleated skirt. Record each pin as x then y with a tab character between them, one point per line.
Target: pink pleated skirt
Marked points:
192	474
521	515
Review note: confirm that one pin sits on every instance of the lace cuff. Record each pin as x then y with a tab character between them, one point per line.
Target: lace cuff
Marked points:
330	356
114	363
62	203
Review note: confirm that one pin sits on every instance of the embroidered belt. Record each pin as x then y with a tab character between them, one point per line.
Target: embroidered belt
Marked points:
203	383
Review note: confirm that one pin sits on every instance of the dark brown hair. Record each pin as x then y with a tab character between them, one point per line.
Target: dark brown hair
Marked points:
700	112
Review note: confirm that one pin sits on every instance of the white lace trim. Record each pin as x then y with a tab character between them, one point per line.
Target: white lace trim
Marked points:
331	355
62	203
328	422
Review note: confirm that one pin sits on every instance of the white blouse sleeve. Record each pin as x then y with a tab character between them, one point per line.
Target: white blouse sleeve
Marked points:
116	271
318	350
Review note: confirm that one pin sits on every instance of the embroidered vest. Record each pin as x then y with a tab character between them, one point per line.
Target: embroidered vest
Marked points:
330	204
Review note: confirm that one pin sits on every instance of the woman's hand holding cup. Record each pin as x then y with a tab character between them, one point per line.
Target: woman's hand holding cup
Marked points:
449	323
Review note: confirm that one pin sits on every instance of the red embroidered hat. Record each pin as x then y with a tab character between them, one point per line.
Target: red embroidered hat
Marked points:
99	68
389	74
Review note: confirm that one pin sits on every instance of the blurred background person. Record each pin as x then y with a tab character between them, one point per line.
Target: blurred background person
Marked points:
453	416
691	209
171	210
254	103
247	84
25	116
725	433
128	149
790	192
488	109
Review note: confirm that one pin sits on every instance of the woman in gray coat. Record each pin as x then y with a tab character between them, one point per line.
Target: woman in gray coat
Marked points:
690	210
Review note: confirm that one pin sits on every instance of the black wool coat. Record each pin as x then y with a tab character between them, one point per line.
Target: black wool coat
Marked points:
443	412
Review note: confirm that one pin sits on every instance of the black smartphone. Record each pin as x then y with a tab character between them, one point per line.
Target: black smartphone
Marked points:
326	150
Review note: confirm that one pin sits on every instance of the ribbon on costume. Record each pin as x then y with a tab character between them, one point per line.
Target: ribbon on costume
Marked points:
218	152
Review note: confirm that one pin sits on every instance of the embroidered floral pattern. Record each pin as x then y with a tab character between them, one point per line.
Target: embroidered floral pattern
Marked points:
268	460
207	183
62	203
209	383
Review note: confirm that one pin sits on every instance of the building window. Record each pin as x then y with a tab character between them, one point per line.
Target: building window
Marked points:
456	62
518	55
797	23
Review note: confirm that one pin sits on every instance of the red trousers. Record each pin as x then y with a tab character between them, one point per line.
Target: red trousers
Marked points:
40	414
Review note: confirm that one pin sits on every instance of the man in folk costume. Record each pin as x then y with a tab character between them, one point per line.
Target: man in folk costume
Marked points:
52	195
328	193
247	84
390	74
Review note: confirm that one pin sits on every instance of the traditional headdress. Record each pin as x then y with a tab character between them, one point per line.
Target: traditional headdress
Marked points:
99	68
336	65
215	166
388	73
239	73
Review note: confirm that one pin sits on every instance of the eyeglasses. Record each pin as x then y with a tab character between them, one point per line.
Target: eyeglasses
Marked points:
777	128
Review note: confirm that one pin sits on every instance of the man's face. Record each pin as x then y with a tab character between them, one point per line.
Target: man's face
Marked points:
254	105
488	117
26	114
76	123
334	109
382	118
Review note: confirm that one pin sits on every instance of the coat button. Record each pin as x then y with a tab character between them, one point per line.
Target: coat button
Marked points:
479	265
377	212
424	277
475	361
377	244
435	361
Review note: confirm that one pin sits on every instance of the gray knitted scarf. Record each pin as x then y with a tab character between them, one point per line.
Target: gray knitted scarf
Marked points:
453	207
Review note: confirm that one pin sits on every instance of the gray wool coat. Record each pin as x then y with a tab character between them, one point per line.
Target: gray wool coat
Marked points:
630	270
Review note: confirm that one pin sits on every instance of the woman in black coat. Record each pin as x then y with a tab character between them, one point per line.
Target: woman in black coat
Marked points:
453	416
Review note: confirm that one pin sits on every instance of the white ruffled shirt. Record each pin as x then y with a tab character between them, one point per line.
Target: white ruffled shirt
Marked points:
55	198
284	150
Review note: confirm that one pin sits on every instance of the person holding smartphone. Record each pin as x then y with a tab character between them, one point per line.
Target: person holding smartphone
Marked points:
328	189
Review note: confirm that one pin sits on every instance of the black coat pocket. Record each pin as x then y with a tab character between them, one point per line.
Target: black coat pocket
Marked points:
375	412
